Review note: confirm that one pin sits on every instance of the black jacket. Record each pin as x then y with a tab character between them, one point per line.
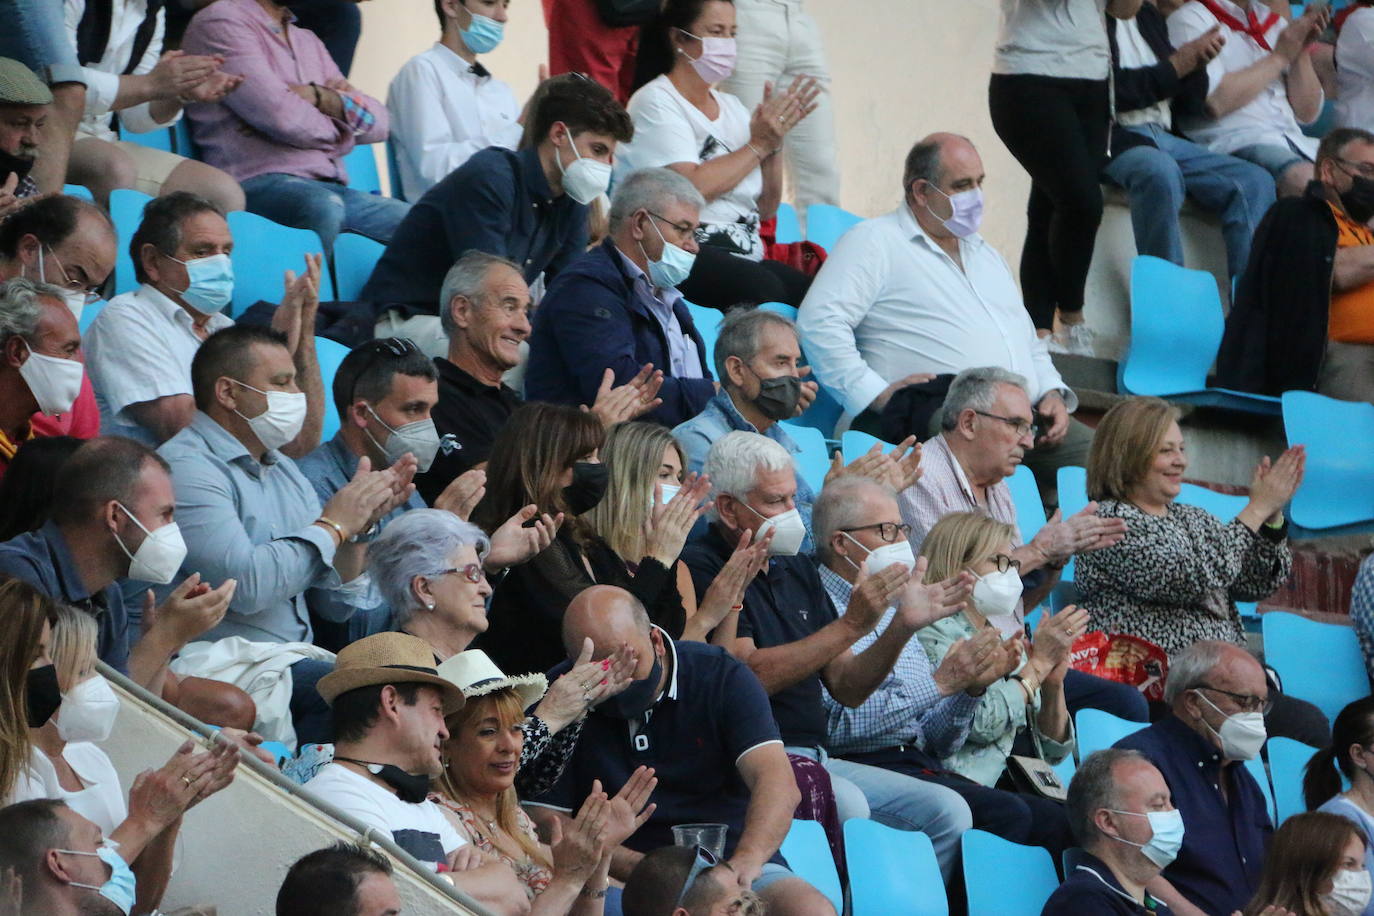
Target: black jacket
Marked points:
1141	87
1275	336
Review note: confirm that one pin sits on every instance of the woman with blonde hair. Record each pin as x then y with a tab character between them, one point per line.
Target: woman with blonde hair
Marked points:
477	793
1176	576
1315	867
982	545
29	691
646	464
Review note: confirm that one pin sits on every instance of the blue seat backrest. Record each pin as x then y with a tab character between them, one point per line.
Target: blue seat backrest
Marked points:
1338	486
1287	758
1098	730
1030	510
1317	662
789	227
814	460
854	444
1005	878
807	852
1176	327
892	871
708	326
330	354
354	258
263	252
361	164
126	212
160	139
825	224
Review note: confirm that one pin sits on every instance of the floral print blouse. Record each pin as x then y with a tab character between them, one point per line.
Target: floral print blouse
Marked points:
535	876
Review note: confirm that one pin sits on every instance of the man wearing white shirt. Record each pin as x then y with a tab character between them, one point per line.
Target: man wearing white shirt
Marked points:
119	44
917	292
139	348
444	105
1261	86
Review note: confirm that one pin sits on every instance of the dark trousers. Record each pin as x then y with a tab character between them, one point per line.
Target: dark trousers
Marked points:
1057	129
310	714
1087	691
1024	819
721	280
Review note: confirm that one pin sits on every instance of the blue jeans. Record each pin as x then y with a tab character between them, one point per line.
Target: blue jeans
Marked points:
902	802
324	206
35	34
1158	177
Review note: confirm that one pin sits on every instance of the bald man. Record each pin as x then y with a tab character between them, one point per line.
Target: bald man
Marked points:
917	296
1217	694
711	740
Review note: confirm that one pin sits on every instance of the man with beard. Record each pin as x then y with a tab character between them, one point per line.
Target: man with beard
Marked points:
24	101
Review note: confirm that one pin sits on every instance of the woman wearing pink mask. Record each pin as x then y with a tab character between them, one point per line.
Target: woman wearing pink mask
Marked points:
683	123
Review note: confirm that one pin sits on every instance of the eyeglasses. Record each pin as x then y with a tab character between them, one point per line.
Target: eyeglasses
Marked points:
684	230
705	859
888	531
1366	169
70	285
1022	426
1245	701
473	572
1005	562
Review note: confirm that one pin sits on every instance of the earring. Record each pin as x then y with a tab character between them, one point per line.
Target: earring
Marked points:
430	606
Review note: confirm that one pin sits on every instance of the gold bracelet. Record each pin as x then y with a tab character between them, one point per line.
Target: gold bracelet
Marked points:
756	152
338	529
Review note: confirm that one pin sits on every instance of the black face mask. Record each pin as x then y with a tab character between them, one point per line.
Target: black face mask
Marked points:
777	397
1359	200
588	486
410	788
633	701
42	695
18	165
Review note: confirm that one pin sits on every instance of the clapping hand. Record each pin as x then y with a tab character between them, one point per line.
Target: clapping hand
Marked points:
579	847
191	609
727	589
585	684
1060	538
523	536
873	594
463	493
1272	486
1055	637
669	523
973	663
617	404
630	808
295	316
920	604
213	88
779	112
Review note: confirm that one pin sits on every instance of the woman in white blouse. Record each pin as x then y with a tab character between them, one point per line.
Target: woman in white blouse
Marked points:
444	105
65	763
729	154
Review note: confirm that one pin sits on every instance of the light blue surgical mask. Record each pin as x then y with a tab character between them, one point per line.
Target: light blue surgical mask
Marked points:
120	888
1163	847
673	265
210	283
483	35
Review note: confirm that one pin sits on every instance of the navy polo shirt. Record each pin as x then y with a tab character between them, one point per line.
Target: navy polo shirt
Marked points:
713	713
1091	888
42	559
1224	839
784	604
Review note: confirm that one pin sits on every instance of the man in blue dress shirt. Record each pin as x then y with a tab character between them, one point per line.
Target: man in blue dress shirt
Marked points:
1218	696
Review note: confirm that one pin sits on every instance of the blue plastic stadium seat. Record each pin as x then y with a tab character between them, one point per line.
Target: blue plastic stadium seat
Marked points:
126	212
789	227
825	224
786	311
88	314
1256	767
330	354
393	171
708	326
1030	511
1287	758
182	144
892	871
77	190
854	444
823	413
807	852
361	163
1098	730
263	252
1318	662
814	459
153	139
1338	488
1176	328
1073	496
354	258
1005	878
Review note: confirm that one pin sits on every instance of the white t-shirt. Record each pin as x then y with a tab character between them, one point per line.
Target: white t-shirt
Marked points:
102	801
670	129
1066	38
420	829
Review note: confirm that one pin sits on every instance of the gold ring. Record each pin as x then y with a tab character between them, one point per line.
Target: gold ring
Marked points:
186	779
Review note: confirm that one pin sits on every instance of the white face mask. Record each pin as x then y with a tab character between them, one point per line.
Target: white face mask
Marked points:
75	299
880	558
281	421
88	711
997	593
586	179
420	439
1242	734
789	531
1350	893
159	556
54	382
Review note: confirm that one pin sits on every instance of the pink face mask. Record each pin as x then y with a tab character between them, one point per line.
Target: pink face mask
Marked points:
717	60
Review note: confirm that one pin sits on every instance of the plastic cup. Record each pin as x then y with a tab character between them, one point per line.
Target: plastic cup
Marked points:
707	836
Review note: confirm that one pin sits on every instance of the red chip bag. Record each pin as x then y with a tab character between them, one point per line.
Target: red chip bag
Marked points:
1122	658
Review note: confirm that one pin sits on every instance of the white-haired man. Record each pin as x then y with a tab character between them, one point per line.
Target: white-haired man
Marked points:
791	636
618	308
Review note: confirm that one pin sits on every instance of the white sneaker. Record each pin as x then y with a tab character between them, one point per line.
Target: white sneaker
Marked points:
1073	340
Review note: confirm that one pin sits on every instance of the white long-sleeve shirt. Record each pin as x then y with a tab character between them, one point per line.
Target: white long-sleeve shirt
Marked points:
1355	71
889	302
102	76
442	113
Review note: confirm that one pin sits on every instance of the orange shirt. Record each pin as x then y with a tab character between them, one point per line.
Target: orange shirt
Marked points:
1352	311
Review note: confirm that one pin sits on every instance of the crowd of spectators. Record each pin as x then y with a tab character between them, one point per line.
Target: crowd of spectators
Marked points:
560	582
